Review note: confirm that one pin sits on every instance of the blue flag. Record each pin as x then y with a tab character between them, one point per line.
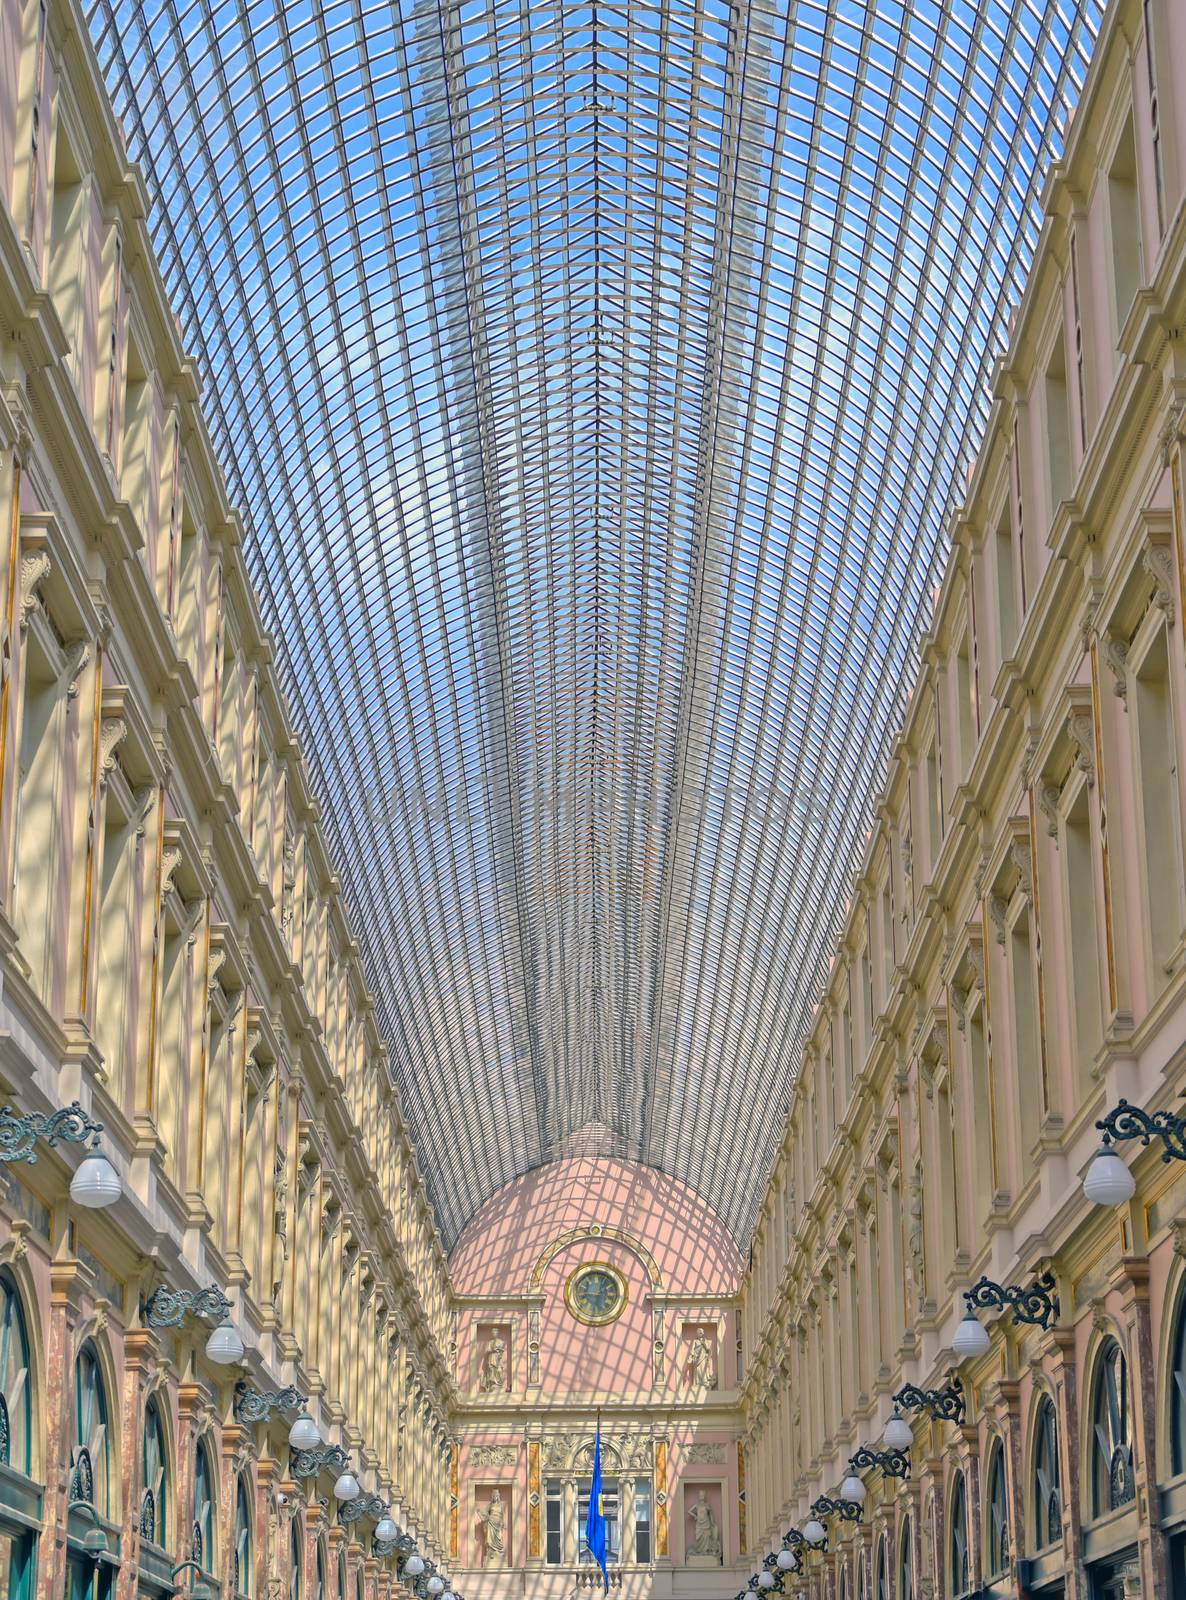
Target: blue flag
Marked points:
595	1526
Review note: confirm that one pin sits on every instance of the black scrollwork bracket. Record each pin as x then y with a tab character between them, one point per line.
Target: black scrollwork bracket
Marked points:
945	1405
257	1405
1036	1303
308	1463
168	1308
892	1463
19	1135
846	1510
1130	1122
364	1505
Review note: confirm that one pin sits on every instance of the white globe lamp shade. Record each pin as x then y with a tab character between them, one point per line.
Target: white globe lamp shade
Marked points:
1108	1181
95	1183
386	1530
786	1560
899	1435
814	1531
971	1338
852	1490
436	1584
415	1565
224	1346
765	1580
304	1433
347	1487
448	1595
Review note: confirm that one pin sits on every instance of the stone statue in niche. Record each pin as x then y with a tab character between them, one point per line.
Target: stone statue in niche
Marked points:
702	1363
493	1520
493	1377
705	1546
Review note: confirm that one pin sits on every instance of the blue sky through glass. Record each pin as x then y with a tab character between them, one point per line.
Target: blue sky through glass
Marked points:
594	381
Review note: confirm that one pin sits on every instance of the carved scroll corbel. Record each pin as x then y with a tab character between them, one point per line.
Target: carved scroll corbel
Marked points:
1159	564
35	568
1048	798
1081	734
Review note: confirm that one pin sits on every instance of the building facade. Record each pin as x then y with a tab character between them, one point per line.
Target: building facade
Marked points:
176	956
1013	965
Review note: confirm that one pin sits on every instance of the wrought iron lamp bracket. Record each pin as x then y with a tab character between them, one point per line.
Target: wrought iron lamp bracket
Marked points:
19	1135
308	1463
168	1308
1127	1121
945	1405
892	1463
1035	1304
257	1405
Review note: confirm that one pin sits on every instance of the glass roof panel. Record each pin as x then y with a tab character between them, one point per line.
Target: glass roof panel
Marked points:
594	379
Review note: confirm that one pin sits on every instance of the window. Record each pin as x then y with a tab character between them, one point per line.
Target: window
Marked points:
16	1420
342	1579
1058	427
905	1565
609	1505
1079	865
1158	768
996	1563
1113	1484
642	1520
961	1576
296	1576
564	1529
242	1574
883	1588
1124	219
1178	1391
202	1538
322	1591
1154	120
1047	1498
554	1519
89	1464
153	1498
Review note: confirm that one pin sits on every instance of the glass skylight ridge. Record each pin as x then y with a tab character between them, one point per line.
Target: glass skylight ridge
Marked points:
594	381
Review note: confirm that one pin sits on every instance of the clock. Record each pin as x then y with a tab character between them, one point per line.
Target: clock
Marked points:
596	1293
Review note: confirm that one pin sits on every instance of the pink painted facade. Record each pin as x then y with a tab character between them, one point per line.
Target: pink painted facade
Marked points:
681	1271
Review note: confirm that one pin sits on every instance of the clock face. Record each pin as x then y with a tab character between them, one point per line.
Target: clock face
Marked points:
595	1293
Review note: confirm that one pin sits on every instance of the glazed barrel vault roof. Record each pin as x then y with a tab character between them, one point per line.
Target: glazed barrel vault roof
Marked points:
594	380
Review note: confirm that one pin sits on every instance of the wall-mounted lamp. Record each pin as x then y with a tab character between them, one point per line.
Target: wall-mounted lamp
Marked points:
308	1463
1036	1304
94	1542
197	1590
95	1183
168	1308
945	1405
361	1505
257	1405
1108	1181
892	1463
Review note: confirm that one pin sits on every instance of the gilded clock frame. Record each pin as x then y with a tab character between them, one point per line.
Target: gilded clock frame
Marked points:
570	1287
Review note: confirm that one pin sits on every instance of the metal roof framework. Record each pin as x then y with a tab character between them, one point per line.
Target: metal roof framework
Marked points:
595	379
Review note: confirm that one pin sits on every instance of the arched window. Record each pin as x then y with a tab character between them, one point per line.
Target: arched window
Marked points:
342	1579
202	1537
1047	1493
1113	1484
1178	1390
961	1567
359	1591
296	1575
322	1585
996	1563
242	1556
90	1458
906	1564
16	1401
883	1579
844	1583
154	1497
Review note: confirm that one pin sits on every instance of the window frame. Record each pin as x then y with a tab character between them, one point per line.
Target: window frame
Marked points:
13	1320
